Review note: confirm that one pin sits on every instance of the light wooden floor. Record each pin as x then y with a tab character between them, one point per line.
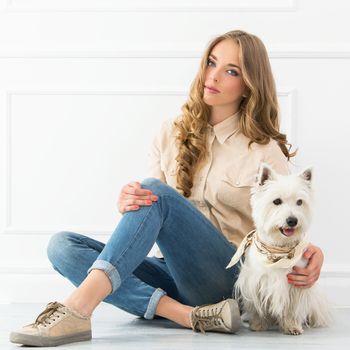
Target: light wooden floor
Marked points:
115	329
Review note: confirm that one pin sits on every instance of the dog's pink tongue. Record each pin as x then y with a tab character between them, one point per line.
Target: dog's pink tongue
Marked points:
288	231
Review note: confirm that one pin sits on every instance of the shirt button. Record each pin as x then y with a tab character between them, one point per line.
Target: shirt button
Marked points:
237	183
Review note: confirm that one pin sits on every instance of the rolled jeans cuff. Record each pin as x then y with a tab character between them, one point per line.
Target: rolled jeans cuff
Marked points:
153	302
110	270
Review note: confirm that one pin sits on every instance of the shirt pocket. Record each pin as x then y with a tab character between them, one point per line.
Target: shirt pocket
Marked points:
234	189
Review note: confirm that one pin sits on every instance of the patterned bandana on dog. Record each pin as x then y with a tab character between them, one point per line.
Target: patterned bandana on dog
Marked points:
275	256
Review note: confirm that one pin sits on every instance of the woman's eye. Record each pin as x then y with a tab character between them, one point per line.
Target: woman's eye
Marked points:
209	61
299	202
277	201
234	72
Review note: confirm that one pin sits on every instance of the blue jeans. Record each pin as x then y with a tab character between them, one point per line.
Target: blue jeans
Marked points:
192	271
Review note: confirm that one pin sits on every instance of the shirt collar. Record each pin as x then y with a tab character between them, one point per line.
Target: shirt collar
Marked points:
226	128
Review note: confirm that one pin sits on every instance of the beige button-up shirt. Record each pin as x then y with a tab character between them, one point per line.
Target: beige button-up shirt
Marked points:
221	188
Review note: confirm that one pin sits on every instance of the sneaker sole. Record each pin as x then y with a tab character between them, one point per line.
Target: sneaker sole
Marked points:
35	340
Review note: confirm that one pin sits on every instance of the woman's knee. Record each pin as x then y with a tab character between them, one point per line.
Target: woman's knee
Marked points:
58	245
157	186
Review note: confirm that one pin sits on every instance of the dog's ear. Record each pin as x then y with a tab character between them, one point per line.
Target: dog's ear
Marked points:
306	174
265	173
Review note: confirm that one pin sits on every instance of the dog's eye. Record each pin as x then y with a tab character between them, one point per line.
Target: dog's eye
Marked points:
299	202
277	201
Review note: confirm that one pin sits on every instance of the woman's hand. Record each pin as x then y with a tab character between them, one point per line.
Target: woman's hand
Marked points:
306	277
132	196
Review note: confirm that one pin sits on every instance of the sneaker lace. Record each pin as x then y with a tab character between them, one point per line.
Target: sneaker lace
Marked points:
205	318
48	314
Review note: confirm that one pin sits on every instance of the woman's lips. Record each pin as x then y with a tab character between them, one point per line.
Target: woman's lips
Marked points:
211	91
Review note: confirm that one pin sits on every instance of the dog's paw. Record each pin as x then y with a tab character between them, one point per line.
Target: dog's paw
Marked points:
293	330
258	325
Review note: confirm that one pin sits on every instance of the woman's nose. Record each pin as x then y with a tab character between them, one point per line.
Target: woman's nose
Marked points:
214	76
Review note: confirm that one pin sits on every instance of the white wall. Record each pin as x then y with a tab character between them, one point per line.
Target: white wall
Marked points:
84	85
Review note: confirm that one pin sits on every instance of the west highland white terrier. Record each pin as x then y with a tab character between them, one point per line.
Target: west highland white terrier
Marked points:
281	210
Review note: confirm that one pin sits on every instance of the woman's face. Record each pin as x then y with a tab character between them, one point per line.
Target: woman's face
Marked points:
224	74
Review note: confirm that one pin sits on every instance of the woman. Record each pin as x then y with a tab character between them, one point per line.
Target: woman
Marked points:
195	206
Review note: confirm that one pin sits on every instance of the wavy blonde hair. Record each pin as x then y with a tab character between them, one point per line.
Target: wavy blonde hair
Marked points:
259	112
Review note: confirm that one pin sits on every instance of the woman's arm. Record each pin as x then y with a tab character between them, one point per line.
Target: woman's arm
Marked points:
306	277
154	168
274	156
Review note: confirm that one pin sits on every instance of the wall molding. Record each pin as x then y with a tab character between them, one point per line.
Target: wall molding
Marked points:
152	6
336	271
25	232
279	53
27	270
9	229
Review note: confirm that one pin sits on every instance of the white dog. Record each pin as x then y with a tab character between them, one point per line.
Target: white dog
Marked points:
281	210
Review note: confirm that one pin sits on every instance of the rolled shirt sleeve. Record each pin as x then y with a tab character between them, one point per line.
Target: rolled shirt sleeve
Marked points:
154	155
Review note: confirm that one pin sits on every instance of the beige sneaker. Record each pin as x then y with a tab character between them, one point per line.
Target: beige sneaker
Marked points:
56	325
221	317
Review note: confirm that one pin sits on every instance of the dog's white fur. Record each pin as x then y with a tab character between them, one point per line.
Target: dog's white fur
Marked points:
264	292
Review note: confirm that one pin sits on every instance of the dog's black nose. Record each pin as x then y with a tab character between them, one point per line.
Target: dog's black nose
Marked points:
292	221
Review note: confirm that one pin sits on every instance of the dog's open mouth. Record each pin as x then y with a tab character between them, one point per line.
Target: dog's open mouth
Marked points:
287	231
